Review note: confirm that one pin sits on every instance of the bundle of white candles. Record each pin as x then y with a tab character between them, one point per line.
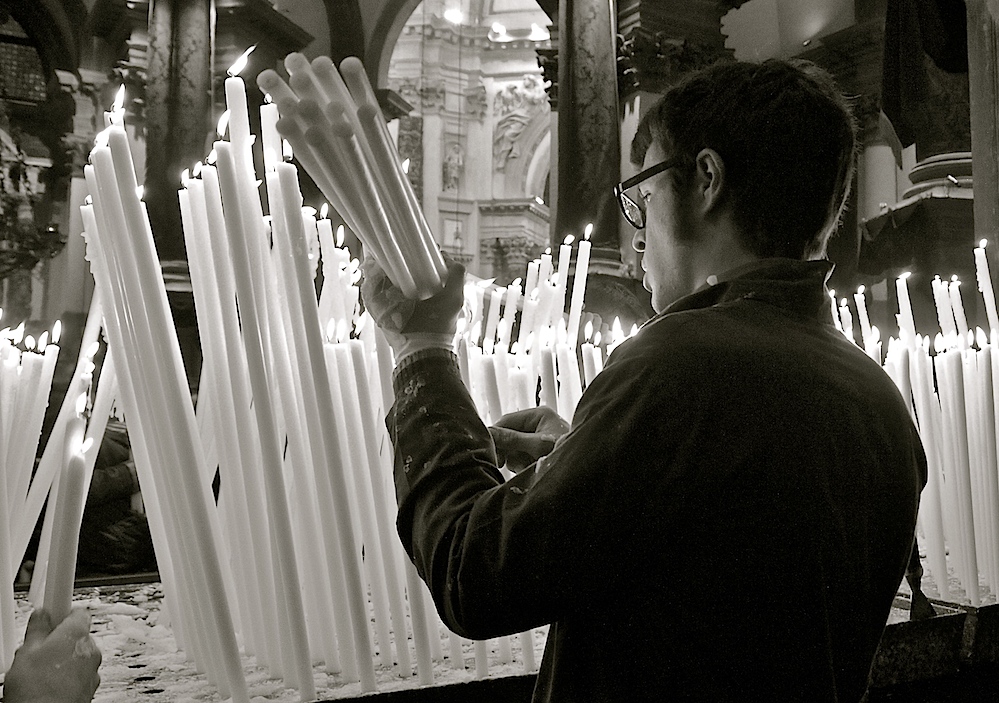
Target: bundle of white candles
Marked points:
952	385
332	119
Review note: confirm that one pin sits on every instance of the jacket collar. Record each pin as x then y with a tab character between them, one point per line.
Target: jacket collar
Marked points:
797	286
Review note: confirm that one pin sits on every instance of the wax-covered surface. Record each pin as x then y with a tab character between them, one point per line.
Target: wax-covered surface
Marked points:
140	656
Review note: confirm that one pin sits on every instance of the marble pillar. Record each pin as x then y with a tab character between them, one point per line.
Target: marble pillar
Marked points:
983	79
588	156
178	108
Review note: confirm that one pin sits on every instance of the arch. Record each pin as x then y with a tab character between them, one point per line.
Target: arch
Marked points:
56	28
383	38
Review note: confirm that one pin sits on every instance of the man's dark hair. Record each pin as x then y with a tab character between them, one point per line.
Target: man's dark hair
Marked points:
787	138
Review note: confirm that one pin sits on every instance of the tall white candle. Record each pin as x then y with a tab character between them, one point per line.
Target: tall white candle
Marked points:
865	321
579	287
66	532
906	324
985	284
954	292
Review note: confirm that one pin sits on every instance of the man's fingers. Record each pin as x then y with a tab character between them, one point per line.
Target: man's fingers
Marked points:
522	420
75	626
38	628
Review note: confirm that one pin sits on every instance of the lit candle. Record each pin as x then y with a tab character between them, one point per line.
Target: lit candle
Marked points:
945	313
906	324
835	310
564	257
492	319
865	322
579	286
954	292
985	284
846	319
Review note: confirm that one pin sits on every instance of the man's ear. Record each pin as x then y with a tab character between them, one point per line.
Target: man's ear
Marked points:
711	179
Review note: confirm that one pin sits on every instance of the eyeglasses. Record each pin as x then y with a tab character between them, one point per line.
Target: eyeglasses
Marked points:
634	210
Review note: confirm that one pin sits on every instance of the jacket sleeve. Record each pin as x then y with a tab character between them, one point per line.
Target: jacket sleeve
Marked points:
503	557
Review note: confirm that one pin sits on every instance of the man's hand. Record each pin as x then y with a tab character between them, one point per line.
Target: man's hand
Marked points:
410	325
523	437
54	665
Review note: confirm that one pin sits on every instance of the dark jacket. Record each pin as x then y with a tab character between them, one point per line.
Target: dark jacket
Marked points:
728	519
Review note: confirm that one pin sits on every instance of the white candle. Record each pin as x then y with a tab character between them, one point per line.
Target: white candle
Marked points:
906	324
835	310
865	321
954	292
846	318
985	284
66	531
579	287
492	319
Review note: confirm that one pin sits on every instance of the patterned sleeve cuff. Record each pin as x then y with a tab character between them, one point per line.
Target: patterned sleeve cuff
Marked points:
409	365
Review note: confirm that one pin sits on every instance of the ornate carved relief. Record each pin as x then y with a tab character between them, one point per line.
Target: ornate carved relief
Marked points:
653	62
476	102
516	104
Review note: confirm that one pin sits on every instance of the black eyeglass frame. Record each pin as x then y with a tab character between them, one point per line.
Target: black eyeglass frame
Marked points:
624	200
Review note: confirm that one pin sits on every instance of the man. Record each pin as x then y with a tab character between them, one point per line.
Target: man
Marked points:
733	508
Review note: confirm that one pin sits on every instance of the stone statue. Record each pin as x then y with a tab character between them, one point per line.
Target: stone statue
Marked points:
453	166
516	104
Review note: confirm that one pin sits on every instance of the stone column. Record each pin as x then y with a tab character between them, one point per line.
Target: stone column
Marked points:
983	78
588	124
178	99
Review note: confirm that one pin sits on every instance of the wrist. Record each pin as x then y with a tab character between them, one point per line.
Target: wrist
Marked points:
409	344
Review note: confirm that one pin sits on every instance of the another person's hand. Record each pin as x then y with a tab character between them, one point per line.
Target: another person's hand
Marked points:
54	665
411	325
523	437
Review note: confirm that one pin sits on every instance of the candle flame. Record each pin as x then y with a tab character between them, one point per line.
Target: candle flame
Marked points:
634	330
89	200
308	210
286	150
588	231
860	290
597	338
517	282
981	337
843	303
223	123
185	176
588	330
983	243
18	334
92	350
324	211
139	190
331	330
617	332
268	99
81	403
362	322
548	251
954	279
212	157
340	236
196	171
101	140
56	331
875	334
538	200
29	343
832	294
86	445
905	275
119	99
341	331
405	166
569	239
43	340
241	62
